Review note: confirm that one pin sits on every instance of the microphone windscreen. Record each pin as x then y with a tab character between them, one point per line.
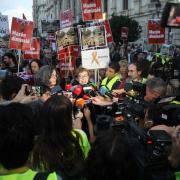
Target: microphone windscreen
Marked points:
68	87
56	89
77	90
128	86
103	90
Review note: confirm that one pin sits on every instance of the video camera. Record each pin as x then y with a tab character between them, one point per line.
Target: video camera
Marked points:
165	112
151	146
135	89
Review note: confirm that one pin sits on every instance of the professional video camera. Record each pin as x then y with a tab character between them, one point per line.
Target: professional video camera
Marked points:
166	111
151	150
135	89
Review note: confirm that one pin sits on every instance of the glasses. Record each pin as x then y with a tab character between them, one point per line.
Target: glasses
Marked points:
82	77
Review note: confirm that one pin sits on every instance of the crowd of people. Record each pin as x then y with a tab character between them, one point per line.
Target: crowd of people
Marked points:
52	128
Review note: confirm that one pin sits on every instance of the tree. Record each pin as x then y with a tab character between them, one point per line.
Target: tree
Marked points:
117	22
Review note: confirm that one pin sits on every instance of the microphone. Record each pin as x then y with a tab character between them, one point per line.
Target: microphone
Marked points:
68	87
77	91
56	89
128	86
80	103
105	92
88	89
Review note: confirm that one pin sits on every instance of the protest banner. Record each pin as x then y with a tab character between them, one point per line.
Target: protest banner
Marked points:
124	33
4	31
66	19
156	34
4	25
66	37
108	31
91	10
95	59
21	34
51	37
34	52
93	37
72	51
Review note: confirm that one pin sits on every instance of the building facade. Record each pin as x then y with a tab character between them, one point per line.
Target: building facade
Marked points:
140	10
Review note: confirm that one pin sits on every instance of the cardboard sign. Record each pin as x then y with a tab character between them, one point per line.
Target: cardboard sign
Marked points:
156	34
91	10
21	34
4	25
95	59
71	51
66	19
34	52
92	37
66	37
124	33
108	31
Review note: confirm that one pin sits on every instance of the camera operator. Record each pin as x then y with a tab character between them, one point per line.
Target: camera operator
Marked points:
155	88
174	157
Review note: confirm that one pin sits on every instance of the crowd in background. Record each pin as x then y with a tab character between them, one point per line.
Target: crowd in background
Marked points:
51	131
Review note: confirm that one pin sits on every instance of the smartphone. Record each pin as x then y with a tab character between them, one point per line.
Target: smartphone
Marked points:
36	90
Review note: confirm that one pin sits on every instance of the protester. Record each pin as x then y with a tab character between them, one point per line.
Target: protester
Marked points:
10	62
34	66
50	77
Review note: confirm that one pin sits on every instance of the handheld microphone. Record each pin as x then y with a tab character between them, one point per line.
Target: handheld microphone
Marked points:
68	87
77	91
80	103
128	86
56	89
89	90
105	92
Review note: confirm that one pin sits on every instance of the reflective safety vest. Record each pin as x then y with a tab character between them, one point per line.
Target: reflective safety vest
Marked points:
177	175
143	81
175	102
109	83
30	175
